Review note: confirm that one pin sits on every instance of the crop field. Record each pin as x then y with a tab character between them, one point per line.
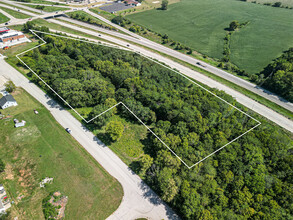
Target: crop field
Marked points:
201	25
42	148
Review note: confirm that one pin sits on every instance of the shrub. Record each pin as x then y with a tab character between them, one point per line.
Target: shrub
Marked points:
115	130
277	4
2	165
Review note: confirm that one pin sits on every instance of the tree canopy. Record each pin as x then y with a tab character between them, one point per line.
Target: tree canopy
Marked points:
249	179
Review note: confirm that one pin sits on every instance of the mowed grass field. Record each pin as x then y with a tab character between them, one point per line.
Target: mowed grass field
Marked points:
43	149
201	25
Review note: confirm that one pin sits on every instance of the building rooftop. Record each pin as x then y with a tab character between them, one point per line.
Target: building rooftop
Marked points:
10	33
7	98
4	29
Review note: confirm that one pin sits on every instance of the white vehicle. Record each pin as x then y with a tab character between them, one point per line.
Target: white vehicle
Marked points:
68	130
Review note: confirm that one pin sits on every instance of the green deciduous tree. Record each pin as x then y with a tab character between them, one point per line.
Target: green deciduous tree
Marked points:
234	25
114	129
9	86
164	5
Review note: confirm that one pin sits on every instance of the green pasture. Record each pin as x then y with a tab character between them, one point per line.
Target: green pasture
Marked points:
201	25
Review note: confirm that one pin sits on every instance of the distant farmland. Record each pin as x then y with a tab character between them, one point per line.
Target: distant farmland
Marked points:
200	24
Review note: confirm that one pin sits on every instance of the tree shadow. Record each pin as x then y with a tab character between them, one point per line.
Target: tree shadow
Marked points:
135	167
153	198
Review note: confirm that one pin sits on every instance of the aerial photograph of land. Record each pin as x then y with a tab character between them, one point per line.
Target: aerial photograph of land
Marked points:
146	109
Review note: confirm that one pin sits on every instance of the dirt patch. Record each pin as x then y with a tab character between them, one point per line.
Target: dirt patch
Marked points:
59	201
9	172
16	92
23	134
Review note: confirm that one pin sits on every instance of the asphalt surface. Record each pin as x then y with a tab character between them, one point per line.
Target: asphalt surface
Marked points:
241	98
139	201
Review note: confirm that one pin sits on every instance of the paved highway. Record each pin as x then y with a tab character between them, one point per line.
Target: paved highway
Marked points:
139	201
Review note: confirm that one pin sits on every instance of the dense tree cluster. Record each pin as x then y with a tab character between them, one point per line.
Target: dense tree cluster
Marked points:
252	178
278	76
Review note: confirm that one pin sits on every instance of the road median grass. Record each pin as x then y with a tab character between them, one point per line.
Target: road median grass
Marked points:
3	18
15	14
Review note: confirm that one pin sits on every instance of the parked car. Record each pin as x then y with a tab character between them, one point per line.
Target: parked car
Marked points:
68	130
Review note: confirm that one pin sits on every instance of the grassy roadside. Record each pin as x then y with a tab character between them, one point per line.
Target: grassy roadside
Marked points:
47	8
43	149
3	18
42	22
15	14
20	8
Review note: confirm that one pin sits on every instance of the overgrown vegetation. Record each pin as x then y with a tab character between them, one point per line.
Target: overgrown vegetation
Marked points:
251	178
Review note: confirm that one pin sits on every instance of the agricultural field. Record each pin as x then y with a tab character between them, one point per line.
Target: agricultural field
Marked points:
44	149
3	18
15	14
201	25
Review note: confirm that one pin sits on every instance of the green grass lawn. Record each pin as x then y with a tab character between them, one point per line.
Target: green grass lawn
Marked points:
129	147
43	149
3	18
15	14
48	8
200	24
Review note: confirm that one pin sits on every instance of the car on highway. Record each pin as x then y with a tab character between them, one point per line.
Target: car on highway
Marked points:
198	63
